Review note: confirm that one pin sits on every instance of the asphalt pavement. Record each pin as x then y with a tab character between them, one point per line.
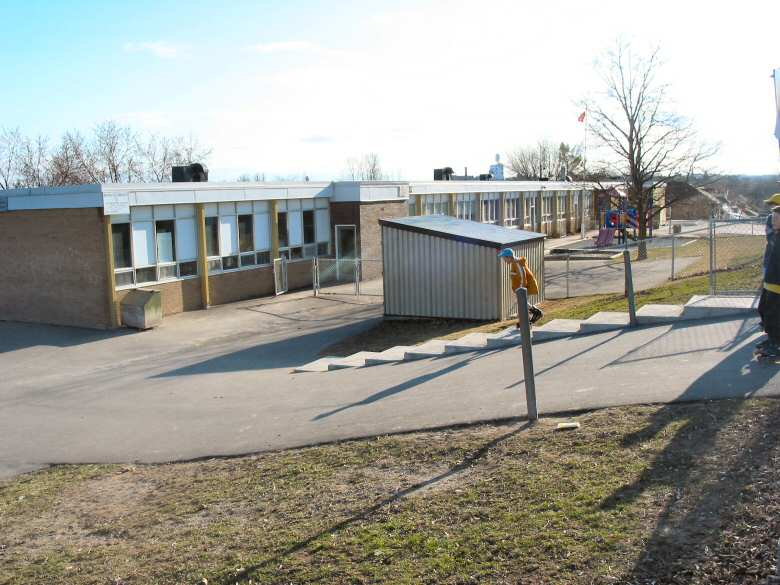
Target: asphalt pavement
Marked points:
205	387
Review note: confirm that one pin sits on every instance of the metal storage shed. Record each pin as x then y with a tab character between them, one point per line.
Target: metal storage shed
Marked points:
440	266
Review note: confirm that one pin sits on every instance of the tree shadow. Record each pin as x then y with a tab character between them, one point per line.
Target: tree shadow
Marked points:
701	501
468	461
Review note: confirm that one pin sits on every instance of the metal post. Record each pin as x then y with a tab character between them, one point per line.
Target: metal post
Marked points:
528	360
712	254
567	275
673	247
630	288
315	271
357	277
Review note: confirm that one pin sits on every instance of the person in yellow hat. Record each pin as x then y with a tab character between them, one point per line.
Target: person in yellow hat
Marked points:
769	304
521	275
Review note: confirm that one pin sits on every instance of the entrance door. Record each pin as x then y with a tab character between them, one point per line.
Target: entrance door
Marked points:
346	251
280	275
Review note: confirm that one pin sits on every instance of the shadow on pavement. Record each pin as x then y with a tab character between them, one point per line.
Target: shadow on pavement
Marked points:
700	501
285	353
403	386
15	336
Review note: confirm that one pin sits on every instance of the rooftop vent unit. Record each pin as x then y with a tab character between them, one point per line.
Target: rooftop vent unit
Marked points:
192	173
444	174
486	177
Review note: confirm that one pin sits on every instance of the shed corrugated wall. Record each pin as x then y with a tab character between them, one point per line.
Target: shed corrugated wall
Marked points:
429	276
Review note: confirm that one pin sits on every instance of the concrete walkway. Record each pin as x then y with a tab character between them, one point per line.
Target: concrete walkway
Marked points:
230	399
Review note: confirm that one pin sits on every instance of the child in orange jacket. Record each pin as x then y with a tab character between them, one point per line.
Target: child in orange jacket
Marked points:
521	275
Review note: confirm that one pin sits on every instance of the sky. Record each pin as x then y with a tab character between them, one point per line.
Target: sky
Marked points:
296	87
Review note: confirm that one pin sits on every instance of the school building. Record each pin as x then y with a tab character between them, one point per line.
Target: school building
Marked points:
71	254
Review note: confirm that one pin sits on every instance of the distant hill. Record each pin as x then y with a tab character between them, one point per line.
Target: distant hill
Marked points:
750	189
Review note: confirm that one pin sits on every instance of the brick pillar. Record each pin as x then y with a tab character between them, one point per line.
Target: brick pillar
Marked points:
418	205
539	210
113	305
501	208
203	264
275	230
478	199
453	205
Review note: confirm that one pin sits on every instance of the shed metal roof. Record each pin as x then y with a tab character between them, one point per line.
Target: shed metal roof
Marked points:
463	230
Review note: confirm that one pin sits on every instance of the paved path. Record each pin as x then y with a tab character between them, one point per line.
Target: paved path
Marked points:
228	398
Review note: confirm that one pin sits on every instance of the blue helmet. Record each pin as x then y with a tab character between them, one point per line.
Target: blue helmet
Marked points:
506	253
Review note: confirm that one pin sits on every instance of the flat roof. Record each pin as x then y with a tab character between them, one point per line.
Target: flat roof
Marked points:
463	230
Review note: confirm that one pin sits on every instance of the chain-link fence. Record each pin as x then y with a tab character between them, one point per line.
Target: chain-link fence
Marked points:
354	277
727	254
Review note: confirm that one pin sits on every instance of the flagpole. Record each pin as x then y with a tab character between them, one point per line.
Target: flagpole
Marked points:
584	173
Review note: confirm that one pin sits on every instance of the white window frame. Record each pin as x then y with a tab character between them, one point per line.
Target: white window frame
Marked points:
152	214
490	203
512	210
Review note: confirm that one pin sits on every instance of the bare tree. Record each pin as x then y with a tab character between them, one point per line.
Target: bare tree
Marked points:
545	161
638	136
35	163
366	168
247	178
11	150
114	154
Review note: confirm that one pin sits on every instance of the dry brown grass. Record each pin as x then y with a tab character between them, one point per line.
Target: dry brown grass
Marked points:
671	494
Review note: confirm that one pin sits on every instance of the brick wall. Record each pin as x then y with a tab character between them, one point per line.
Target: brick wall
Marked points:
243	284
371	233
54	267
177	296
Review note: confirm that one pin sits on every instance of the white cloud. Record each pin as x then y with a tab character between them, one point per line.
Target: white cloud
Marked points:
283	47
160	49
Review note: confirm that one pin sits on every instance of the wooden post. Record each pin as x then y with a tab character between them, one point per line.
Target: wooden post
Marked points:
203	263
113	306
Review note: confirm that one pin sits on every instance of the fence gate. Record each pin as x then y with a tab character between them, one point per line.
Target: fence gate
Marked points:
280	275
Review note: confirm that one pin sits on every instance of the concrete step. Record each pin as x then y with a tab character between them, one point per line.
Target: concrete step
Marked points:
428	349
320	365
356	360
509	337
470	342
557	329
712	307
659	314
605	321
394	354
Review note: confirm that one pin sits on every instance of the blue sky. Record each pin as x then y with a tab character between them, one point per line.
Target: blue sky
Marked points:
299	86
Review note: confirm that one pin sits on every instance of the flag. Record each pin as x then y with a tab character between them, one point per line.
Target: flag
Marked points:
581	117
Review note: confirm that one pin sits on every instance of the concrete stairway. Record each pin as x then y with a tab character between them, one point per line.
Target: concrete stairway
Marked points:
699	307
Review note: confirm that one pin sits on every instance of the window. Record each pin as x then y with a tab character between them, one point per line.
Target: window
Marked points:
284	240
490	203
512	210
436	204
412	205
465	206
120	235
308	227
246	241
212	236
546	207
164	231
561	205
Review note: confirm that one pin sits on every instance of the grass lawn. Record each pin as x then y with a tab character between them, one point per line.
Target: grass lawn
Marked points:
731	252
411	332
671	494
